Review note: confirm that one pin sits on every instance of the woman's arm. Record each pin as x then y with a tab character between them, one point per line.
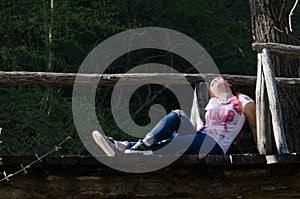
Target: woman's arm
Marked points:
250	113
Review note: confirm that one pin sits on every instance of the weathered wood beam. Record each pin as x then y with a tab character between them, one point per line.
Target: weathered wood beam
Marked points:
227	176
22	77
75	161
274	102
279	49
263	119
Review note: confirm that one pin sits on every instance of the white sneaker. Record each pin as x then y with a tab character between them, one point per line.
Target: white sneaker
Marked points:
106	145
140	147
128	151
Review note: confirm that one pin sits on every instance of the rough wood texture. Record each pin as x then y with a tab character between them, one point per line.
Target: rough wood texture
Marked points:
22	77
264	141
270	24
213	177
274	105
279	49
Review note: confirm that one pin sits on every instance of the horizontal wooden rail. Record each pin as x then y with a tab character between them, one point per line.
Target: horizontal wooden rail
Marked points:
279	49
23	77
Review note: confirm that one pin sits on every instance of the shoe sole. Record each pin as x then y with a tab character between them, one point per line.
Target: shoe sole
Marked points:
101	141
128	151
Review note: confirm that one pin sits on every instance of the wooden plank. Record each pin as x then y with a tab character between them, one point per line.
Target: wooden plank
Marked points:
23	77
13	161
274	103
279	49
248	177
259	113
264	141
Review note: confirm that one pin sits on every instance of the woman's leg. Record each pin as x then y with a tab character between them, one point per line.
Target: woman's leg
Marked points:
165	131
199	143
169	127
165	128
204	144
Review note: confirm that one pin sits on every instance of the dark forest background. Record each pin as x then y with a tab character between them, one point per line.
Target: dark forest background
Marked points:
35	118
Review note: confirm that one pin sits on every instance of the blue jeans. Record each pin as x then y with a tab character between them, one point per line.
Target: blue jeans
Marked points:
166	130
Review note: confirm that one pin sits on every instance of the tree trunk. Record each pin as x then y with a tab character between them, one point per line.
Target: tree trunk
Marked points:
50	37
270	24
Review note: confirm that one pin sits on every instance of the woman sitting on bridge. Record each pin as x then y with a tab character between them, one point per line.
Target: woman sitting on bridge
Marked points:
225	115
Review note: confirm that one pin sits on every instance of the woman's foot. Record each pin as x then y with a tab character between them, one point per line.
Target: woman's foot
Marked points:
105	143
140	147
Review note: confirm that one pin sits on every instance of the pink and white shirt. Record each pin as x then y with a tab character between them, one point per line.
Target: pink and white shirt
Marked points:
224	120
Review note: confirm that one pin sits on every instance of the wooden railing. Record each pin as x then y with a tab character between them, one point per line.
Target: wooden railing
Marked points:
268	108
24	77
278	49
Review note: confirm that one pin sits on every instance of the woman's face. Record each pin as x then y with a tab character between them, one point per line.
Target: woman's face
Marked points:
218	86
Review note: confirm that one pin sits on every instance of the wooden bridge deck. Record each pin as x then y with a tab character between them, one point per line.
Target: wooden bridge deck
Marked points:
229	176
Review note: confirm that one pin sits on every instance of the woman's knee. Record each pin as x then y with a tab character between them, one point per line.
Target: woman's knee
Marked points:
178	112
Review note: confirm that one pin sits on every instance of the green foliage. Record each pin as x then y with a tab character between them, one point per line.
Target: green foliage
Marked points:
38	159
35	117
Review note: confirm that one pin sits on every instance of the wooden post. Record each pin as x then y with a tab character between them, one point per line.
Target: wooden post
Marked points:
264	139
199	102
274	102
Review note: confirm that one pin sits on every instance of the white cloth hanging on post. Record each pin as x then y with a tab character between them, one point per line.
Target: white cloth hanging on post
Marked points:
200	100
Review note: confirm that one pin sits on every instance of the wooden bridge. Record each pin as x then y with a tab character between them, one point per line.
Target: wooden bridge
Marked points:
265	174
265	81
